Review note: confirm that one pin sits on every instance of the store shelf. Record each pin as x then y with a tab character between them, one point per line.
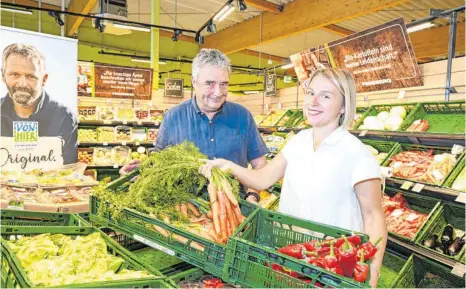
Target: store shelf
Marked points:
431	191
128	143
152	124
407	249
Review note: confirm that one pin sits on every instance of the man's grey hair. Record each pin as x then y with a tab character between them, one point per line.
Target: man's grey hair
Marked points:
212	57
27	51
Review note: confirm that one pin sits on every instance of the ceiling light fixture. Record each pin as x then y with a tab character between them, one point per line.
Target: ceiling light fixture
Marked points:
221	12
226	14
137	28
242	5
211	27
421	26
176	33
16	10
251	91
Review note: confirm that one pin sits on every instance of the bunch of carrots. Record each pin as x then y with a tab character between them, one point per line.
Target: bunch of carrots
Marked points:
221	219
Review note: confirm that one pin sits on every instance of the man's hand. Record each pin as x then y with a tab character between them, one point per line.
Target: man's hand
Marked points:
133	164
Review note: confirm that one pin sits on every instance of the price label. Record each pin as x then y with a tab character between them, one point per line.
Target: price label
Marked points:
406	185
461	198
123	143
138	143
139	122
418	188
154	245
458	270
105	144
115	166
108	122
125	122
396	213
18	208
363	133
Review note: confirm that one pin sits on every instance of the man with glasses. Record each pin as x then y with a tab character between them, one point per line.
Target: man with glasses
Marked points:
219	128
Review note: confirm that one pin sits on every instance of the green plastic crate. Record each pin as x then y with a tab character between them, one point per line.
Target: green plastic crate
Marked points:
387	147
376	109
391	266
437	150
288	115
294	119
455	173
156	259
125	241
443	117
448	213
421	204
13	274
188	275
28	218
138	226
252	251
420	272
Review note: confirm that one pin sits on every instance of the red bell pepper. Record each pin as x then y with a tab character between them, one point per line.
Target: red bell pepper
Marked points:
368	249
294	250
347	257
331	262
311	246
355	240
361	270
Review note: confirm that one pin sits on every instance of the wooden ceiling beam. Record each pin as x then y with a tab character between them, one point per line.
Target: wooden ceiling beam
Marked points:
297	17
264	5
81	7
338	30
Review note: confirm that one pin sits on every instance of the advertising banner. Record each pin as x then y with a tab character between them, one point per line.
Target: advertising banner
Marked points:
270	85
379	58
38	100
173	87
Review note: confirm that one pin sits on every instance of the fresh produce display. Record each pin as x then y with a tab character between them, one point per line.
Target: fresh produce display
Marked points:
140	154
423	166
125	114
106	113
345	256
385	120
85	156
259	118
400	218
448	243
68	175
57	259
418	125
142	114
156	115
87	113
124	133
357	116
103	156
204	282
460	183
266	199
378	156
87	135
152	134
302	124
169	189
272	118
140	134
121	155
106	134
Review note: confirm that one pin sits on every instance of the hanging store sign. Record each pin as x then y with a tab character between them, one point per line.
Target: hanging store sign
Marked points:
173	87
270	85
379	58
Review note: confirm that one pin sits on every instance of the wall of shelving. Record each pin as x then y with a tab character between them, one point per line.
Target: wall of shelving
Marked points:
434	75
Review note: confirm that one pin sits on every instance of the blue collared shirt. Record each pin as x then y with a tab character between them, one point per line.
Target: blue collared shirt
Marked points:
231	134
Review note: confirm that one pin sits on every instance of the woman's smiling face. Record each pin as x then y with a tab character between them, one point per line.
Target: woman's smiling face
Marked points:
323	103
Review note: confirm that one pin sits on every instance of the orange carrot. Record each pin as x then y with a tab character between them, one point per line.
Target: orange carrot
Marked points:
231	216
238	215
223	215
193	209
228	192
229	227
184	210
212	189
209	214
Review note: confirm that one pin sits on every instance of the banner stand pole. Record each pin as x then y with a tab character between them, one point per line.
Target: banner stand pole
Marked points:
451	54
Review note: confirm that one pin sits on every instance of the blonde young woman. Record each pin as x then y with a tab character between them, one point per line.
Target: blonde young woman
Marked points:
329	175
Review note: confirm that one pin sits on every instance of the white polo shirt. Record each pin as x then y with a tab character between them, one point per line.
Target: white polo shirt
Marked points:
319	186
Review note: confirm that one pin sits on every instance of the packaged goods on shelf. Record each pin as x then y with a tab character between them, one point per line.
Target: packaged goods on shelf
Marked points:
274	143
87	113
87	135
156	115
121	155
140	153
142	114
103	156
106	134
125	114
106	113
140	134
152	134
123	133
85	155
